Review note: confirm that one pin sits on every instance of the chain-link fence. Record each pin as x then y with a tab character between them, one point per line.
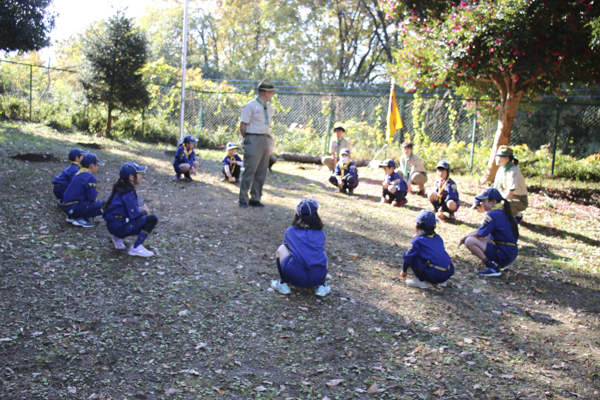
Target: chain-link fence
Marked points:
303	121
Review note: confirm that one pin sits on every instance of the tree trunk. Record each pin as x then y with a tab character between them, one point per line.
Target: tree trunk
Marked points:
511	95
109	121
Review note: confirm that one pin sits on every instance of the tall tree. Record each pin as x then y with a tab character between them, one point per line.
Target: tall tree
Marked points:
505	48
25	24
115	55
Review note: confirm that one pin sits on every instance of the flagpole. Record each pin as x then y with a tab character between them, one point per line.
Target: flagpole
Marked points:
183	68
389	139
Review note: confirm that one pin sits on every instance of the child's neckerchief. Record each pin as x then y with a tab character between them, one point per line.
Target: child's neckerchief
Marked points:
187	151
265	107
498	206
442	185
82	170
406	166
498	183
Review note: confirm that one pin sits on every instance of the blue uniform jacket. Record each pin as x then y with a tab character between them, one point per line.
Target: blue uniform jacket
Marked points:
497	224
67	174
446	190
83	188
395	177
228	160
342	170
308	264
183	155
125	206
427	250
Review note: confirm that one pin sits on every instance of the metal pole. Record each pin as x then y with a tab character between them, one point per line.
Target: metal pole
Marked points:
201	120
329	125
30	89
183	67
473	137
555	138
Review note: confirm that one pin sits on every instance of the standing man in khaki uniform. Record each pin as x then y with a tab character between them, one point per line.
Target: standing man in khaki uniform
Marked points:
255	128
337	143
510	182
412	169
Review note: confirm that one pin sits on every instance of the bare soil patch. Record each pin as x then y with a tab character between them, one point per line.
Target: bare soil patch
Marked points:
94	146
587	197
31	157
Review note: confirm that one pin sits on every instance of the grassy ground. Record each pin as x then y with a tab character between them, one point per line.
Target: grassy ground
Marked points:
84	321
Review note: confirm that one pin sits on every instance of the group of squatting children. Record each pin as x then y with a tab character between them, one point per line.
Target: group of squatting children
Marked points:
301	259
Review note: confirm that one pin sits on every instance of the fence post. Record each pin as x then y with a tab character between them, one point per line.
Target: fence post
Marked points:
329	125
473	137
143	120
200	119
555	137
30	89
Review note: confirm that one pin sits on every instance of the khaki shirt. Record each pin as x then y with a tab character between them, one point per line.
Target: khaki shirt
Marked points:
335	148
253	114
512	180
415	164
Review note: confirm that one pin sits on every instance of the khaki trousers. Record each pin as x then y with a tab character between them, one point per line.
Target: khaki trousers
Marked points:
418	178
328	162
256	163
518	204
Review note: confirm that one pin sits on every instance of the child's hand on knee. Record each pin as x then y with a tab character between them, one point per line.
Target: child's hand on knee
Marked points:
403	274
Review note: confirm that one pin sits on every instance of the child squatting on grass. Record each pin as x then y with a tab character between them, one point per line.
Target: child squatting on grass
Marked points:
81	197
444	196
61	181
125	213
499	222
345	175
185	159
232	164
393	188
426	256
301	259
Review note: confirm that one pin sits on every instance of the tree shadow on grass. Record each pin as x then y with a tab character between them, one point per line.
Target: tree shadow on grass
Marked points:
553	232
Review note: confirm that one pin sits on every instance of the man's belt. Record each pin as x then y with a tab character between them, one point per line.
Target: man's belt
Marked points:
73	202
258	134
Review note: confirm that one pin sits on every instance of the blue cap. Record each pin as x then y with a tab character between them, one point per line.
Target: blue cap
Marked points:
345	151
491	193
76	152
130	168
443	165
388	163
189	139
230	146
89	159
425	218
476	203
307	207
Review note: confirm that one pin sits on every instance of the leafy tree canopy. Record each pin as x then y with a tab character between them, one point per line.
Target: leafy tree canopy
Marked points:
512	48
25	24
115	56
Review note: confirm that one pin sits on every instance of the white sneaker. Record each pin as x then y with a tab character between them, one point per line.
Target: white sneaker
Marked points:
70	220
140	251
118	242
443	284
414	282
83	222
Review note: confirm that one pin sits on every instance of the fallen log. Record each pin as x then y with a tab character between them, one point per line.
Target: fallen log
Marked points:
310	159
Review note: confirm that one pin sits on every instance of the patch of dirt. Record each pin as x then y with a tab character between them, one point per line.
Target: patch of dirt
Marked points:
33	157
586	197
94	146
79	319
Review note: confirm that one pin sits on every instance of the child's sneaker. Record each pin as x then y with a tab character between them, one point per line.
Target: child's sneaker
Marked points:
224	179
414	282
140	251
385	200
71	220
443	284
503	267
343	191
452	217
490	272
177	178
323	290
83	222
118	242
59	203
351	192
283	288
399	203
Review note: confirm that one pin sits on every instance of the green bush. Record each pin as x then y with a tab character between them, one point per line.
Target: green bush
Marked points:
14	107
539	163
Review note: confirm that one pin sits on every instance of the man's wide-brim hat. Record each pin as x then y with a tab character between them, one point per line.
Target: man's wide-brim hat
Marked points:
339	127
266	85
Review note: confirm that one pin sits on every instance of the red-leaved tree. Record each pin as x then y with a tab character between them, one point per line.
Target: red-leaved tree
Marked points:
513	48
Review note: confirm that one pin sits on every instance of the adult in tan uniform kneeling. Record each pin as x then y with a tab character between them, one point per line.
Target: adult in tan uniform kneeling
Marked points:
337	143
510	182
255	128
412	169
